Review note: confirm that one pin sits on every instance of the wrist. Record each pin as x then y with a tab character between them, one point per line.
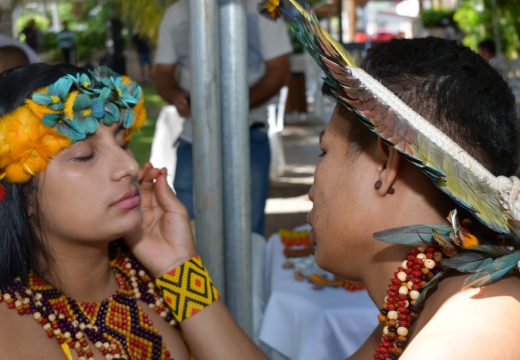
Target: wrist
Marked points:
187	289
166	267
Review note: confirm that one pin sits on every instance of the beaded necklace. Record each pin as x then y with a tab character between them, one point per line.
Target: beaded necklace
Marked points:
118	327
400	310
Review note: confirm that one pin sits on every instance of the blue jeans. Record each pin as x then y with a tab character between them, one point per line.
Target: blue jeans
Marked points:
260	160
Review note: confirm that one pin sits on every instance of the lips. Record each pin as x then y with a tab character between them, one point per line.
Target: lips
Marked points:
129	200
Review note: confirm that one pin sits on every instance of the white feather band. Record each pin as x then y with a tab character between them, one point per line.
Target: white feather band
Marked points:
510	194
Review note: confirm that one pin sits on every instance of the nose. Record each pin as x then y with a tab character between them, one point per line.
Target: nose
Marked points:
125	165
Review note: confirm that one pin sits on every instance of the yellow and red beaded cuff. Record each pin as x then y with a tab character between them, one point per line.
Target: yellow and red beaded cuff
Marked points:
187	289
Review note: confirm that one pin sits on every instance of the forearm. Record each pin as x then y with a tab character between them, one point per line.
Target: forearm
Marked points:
276	75
264	89
213	334
209	329
167	89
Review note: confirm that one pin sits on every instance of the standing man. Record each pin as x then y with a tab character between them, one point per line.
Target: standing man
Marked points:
67	42
32	35
268	48
144	56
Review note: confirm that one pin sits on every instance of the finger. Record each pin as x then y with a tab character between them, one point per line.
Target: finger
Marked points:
148	199
166	197
142	171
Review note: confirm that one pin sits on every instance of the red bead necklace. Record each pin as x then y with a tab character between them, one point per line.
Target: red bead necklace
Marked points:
400	310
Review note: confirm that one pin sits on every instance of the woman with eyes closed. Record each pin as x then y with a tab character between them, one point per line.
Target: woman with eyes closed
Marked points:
97	259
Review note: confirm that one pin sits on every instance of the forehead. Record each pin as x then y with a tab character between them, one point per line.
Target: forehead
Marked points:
338	125
106	131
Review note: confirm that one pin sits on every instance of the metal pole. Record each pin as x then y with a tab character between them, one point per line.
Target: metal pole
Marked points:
237	174
207	145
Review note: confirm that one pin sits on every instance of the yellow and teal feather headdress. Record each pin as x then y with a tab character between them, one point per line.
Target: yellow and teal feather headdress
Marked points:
494	201
65	112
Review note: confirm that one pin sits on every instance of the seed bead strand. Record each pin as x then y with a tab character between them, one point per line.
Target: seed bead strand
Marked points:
399	309
78	324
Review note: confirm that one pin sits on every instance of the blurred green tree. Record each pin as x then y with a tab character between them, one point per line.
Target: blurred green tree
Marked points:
476	19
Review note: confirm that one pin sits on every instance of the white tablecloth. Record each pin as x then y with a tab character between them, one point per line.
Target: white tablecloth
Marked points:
306	324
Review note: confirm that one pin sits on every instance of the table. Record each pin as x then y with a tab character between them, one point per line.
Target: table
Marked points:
306	324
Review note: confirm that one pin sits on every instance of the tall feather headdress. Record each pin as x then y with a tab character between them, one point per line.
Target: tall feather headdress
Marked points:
495	201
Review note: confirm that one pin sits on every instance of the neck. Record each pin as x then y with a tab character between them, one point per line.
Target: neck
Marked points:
382	270
76	270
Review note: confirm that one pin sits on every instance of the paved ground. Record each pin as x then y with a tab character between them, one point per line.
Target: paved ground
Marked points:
288	202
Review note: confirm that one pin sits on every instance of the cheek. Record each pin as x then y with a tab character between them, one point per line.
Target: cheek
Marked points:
70	201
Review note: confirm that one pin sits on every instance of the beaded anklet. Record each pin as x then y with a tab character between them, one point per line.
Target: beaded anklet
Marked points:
187	289
400	310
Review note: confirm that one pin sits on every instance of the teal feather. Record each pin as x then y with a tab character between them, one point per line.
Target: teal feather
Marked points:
51	119
430	285
467	262
493	271
491	250
127	117
413	235
61	87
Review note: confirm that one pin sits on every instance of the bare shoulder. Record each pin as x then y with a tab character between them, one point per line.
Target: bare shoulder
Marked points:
21	337
475	323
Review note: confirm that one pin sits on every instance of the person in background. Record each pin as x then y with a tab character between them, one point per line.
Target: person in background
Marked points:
66	41
268	47
487	49
32	36
144	56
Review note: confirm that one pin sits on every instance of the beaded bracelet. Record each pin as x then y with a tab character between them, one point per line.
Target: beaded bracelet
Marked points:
187	289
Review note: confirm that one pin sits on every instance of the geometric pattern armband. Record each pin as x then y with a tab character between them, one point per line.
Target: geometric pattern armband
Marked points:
187	289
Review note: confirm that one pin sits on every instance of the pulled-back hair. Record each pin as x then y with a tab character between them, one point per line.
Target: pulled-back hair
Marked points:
20	248
457	91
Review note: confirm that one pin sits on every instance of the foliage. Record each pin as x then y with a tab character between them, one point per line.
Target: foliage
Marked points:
142	139
143	16
475	18
436	17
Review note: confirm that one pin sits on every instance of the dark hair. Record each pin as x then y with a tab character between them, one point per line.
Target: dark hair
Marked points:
488	45
20	248
456	90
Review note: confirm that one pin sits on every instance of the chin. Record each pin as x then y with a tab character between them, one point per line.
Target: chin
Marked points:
129	223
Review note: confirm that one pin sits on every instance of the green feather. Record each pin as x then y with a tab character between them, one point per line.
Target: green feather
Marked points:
413	235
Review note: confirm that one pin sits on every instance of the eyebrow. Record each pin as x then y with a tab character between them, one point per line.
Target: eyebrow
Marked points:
115	132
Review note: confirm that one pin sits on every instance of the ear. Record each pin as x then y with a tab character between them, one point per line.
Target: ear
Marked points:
389	171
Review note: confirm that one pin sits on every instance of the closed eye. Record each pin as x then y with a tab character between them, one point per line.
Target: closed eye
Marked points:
85	158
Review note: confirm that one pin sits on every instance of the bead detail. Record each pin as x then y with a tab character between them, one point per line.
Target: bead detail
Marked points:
399	309
117	327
